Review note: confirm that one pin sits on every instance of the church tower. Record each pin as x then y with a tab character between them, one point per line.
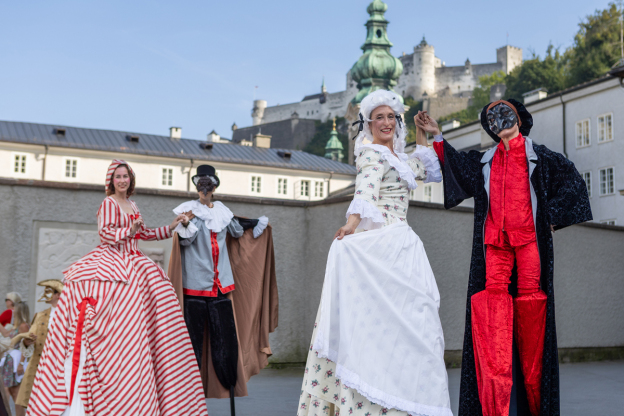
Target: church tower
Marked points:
377	68
333	148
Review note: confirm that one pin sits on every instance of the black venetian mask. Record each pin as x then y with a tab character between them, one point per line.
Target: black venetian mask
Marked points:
501	117
205	184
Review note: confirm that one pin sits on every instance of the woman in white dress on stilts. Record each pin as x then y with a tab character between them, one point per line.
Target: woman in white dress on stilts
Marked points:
377	346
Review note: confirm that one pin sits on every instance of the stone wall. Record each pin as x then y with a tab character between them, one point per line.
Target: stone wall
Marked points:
444	105
48	225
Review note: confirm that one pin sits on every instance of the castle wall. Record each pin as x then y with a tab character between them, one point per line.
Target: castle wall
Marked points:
441	106
509	57
422	72
334	106
463	78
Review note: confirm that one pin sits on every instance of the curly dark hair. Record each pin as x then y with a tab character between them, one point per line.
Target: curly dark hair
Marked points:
206	184
111	188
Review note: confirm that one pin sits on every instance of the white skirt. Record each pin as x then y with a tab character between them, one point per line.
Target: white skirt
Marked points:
379	321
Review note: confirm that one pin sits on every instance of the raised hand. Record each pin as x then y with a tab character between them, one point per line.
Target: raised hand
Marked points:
177	220
425	122
136	225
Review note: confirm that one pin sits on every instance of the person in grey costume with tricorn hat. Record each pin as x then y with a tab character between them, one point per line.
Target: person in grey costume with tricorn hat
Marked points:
38	333
207	274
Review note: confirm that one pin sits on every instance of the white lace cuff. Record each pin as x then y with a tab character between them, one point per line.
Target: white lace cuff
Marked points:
186	232
429	158
370	215
438	138
263	221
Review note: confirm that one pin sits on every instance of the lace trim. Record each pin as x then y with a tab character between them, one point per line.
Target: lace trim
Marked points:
216	218
370	215
352	380
430	159
186	232
399	162
263	221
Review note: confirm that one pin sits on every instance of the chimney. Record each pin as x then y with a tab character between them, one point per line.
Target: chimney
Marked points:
535	95
175	133
214	137
262	140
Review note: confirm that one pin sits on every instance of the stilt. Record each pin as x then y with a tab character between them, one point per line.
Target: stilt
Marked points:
232	409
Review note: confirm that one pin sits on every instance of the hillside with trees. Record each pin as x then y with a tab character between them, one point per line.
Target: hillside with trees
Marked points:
595	50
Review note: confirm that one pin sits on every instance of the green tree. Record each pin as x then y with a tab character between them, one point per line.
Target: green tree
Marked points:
549	73
596	46
481	93
316	146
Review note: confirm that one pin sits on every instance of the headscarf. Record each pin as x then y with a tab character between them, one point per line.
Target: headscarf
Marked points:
111	169
14	297
369	103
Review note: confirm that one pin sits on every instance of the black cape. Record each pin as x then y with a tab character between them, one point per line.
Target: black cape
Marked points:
562	201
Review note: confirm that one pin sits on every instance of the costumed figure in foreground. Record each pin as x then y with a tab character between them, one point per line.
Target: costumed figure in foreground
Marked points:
38	333
223	270
378	347
19	351
522	193
117	344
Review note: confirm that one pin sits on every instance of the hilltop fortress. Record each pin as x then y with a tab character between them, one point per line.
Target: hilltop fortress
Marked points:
421	75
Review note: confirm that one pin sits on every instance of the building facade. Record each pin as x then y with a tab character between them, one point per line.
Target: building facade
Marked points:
584	123
70	154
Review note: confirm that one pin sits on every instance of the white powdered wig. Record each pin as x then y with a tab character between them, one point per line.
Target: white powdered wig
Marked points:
371	102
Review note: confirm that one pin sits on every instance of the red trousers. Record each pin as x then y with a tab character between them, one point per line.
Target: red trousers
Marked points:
497	319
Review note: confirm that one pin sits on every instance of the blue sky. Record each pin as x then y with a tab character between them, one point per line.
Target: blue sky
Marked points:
144	66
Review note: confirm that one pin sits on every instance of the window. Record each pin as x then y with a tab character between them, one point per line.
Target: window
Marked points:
605	128
587	178
282	186
607	187
427	193
305	188
71	168
318	189
19	163
582	133
608	222
167	177
256	184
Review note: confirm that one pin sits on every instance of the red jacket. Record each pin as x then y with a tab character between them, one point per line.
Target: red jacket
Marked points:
510	195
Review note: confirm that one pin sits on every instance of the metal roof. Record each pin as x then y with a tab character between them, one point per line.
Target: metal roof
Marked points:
163	146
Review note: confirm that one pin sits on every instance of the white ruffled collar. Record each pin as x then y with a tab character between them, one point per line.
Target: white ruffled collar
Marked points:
216	218
399	162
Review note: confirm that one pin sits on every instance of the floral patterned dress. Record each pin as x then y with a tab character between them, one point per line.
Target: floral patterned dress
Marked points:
381	198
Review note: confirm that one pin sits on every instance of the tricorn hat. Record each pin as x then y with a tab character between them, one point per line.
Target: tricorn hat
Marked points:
19	337
49	285
206	170
524	117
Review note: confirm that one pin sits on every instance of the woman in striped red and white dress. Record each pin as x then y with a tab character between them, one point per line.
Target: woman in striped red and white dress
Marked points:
118	344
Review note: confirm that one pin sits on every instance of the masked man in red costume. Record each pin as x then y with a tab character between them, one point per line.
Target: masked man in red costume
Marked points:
522	191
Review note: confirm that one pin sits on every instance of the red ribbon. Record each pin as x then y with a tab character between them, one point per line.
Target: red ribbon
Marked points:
78	343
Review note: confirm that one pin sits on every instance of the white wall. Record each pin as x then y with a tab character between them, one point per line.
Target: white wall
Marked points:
235	178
